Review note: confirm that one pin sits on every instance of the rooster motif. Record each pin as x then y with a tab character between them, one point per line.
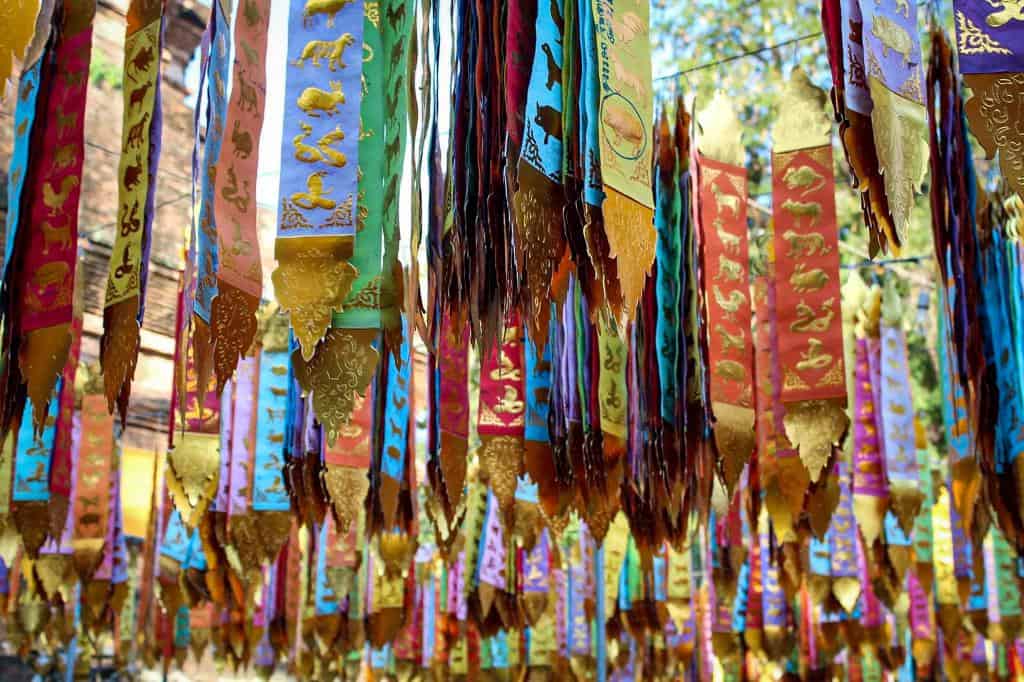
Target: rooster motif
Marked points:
729	304
54	199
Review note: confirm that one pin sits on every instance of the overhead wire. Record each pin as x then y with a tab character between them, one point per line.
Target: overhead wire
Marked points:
741	55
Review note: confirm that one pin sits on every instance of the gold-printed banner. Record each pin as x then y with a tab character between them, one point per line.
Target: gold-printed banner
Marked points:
723	221
626	134
240	275
319	160
807	294
140	144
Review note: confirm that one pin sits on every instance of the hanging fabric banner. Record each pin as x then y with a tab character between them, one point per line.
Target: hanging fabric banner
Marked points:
807	296
396	428
897	405
990	40
895	79
538	203
240	273
357	321
194	459
207	254
347	462
65	447
269	498
92	500
453	418
140	155
50	252
502	414
869	485
317	224
31	492
853	107
20	19
243	526
626	94
722	208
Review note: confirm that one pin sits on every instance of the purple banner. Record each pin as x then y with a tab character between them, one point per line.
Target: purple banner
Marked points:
989	36
892	46
843	530
538	566
868	477
856	94
898	409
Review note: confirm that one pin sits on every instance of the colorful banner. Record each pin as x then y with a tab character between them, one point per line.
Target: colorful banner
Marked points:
990	41
140	156
807	296
623	51
722	206
319	160
240	273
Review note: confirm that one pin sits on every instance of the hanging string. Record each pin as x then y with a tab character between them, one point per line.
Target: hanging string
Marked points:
742	55
884	262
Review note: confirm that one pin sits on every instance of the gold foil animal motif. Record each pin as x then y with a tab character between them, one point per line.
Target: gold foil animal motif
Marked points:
314	101
730	369
304	152
814	357
330	8
729	304
54	199
807	320
725	201
810	244
730	241
330	155
893	37
730	341
803	280
728	269
803	178
510	402
315	195
1005	12
56	235
331	50
803	209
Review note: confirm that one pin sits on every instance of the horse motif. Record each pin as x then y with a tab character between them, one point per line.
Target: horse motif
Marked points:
730	241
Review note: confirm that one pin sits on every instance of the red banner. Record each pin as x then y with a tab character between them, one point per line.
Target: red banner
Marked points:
810	324
723	217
